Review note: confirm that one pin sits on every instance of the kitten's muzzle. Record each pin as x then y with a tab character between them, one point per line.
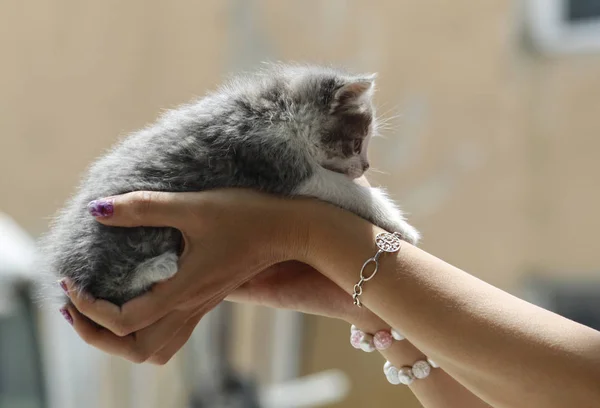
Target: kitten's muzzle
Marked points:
353	172
356	172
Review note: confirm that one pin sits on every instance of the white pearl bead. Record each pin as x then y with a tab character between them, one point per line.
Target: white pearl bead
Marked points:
406	375
386	367
353	328
421	369
392	376
433	363
366	343
368	348
396	335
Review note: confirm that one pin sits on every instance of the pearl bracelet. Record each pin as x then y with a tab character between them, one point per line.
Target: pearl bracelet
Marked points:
381	340
406	375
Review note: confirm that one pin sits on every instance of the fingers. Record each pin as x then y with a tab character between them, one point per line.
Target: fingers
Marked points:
133	315
97	336
143	208
166	334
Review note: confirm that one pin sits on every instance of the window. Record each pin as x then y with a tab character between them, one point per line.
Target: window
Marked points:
564	26
582	10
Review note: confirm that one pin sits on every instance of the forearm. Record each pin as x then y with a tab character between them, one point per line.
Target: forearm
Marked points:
439	389
293	285
506	350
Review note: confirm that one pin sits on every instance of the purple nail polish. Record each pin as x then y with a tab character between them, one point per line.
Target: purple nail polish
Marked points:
63	286
101	208
65	312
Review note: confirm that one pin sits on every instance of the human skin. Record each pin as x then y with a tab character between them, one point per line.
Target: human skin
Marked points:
507	352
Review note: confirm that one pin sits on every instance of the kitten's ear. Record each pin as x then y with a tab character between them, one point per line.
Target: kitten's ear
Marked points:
354	96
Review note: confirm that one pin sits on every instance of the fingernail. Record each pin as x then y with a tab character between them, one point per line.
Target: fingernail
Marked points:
101	208
65	312
63	285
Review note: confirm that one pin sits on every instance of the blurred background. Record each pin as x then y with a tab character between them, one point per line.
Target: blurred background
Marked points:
492	147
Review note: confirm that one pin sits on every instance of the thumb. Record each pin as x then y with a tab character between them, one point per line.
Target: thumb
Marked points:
140	208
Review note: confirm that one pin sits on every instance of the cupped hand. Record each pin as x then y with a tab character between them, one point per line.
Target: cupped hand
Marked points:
297	286
229	237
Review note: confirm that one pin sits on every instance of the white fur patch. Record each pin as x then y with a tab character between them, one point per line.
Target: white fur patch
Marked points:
370	203
154	270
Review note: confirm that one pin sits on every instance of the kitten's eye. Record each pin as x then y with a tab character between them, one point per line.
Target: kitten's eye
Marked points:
357	147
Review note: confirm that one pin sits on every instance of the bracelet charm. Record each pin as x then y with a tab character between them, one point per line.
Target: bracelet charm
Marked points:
386	242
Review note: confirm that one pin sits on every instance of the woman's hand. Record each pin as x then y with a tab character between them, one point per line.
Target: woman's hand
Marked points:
229	235
297	286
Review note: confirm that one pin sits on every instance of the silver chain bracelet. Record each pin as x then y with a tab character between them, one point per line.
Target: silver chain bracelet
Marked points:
386	242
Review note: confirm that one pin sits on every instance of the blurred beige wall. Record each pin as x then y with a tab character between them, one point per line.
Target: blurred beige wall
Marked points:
494	151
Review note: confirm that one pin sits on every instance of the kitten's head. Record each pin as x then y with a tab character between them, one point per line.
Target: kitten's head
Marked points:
329	111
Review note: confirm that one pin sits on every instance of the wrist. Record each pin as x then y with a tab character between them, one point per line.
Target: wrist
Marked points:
281	231
295	228
364	319
338	238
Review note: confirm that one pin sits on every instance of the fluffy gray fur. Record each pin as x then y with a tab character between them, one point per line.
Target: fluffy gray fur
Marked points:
287	130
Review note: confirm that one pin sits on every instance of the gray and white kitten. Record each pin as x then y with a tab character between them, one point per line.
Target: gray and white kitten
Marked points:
288	130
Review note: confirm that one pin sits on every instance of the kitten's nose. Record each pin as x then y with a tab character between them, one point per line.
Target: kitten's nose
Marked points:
365	166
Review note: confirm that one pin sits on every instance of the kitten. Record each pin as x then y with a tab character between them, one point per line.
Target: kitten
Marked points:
289	130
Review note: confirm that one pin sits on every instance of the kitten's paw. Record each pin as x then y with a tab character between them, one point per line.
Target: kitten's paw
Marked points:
389	217
408	233
154	270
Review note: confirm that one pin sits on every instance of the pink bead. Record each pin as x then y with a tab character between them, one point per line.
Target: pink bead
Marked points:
382	340
355	338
